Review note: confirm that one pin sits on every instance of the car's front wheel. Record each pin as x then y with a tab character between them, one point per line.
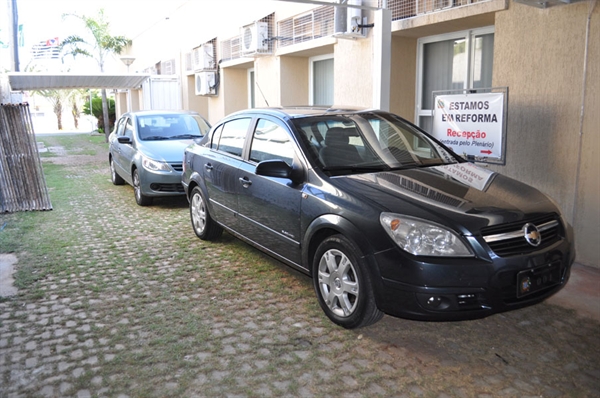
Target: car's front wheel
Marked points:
343	284
204	226
140	198
114	177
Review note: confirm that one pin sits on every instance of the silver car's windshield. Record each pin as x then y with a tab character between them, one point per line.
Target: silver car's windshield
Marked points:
171	127
369	141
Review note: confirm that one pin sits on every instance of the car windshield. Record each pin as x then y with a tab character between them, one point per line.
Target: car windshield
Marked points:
171	127
369	142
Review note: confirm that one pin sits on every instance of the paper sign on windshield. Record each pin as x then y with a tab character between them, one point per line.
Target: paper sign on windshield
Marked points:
470	124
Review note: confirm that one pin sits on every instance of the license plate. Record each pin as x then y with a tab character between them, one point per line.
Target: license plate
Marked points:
533	280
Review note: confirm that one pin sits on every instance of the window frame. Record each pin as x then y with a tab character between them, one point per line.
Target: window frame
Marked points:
251	77
311	75
469	36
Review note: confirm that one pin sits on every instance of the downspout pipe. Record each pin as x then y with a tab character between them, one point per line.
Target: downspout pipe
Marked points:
15	35
591	8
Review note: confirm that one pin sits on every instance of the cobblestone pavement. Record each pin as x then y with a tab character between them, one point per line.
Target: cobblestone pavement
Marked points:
129	303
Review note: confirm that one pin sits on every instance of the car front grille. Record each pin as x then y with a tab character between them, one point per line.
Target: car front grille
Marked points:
177	166
509	240
176	188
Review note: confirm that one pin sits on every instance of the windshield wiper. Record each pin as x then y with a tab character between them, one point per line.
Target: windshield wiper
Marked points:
357	168
155	138
182	136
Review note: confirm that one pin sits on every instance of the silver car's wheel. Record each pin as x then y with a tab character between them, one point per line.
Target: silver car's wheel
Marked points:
204	226
338	283
140	198
343	283
198	213
114	177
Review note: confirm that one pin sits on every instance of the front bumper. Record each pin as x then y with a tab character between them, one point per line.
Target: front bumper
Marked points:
161	183
469	288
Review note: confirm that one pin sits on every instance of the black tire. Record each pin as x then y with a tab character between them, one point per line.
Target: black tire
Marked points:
204	226
343	284
114	177
140	198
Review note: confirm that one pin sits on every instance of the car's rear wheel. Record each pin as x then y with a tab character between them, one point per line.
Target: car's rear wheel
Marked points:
343	284
114	177
204	226
140	198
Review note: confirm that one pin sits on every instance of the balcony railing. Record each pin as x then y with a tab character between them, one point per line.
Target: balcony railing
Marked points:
402	9
311	25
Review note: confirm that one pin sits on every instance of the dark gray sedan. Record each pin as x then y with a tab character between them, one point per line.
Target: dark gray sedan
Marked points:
385	218
146	151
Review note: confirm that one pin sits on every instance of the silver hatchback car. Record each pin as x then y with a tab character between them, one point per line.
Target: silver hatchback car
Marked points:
146	151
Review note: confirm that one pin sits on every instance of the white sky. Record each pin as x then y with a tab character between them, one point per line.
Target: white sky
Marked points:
42	19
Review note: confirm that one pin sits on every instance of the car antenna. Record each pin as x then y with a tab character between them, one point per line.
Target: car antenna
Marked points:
263	95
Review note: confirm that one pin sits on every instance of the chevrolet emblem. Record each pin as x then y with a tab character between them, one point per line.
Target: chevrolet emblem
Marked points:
532	234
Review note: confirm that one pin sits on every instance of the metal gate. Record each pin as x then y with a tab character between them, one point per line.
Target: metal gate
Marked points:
22	182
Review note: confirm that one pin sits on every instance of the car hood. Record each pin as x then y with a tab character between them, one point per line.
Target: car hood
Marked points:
458	194
164	150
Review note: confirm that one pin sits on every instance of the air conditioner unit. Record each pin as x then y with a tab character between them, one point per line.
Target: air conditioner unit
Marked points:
347	21
203	57
206	83
255	38
167	67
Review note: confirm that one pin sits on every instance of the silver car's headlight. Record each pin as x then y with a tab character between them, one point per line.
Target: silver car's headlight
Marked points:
423	238
154	165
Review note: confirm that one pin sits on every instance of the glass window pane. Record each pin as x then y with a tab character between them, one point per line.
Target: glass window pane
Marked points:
270	142
323	82
214	143
233	135
444	68
426	123
483	60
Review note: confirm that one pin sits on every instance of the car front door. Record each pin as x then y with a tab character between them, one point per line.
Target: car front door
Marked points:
220	169
269	207
122	152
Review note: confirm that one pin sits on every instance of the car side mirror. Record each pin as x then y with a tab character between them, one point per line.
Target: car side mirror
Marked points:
274	168
124	140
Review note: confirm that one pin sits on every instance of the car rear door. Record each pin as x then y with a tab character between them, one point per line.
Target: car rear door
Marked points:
269	207
220	169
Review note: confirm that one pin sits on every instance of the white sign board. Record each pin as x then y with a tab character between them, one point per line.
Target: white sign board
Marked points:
470	124
468	173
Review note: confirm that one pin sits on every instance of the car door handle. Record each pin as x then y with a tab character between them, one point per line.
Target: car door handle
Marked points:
208	166
245	182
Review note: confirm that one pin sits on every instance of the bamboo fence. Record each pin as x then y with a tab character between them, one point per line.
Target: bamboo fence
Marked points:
22	182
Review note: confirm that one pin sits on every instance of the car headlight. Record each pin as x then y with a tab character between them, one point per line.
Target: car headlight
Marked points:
154	165
423	238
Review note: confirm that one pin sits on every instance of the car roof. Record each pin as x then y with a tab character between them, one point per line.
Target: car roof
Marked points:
162	112
293	112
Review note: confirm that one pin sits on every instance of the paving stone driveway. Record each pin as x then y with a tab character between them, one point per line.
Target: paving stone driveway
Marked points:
132	304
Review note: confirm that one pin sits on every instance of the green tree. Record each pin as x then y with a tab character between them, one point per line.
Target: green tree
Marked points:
97	110
98	46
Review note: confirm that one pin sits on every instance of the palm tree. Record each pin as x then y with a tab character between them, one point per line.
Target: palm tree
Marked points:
57	98
101	45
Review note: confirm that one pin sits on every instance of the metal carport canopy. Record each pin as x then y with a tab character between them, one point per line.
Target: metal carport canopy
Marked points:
24	81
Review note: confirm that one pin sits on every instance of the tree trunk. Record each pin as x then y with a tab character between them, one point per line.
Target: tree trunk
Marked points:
58	113
105	115
75	113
